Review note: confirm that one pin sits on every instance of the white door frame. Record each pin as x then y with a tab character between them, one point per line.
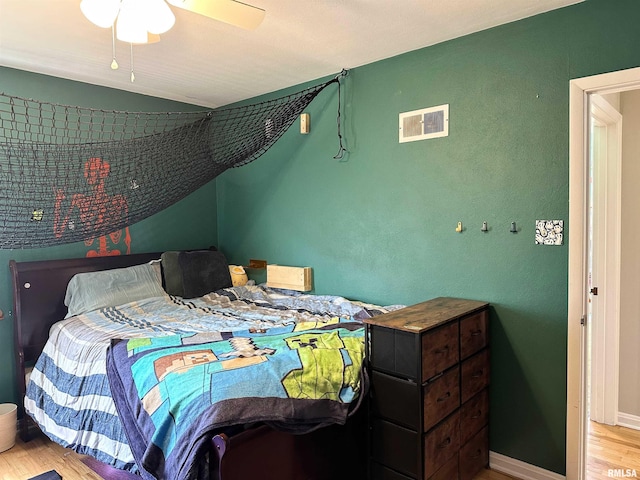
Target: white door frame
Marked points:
604	318
579	90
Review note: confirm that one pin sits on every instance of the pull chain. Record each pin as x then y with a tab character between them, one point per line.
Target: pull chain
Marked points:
114	63
133	77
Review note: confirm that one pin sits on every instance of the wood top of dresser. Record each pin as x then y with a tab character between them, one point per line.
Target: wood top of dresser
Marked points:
427	315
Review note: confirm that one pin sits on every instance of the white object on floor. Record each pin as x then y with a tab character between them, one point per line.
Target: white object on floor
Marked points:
8	425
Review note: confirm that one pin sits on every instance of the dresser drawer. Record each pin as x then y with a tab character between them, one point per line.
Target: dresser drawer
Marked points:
474	455
474	415
474	335
474	375
441	397
449	471
395	399
441	444
440	350
394	352
396	447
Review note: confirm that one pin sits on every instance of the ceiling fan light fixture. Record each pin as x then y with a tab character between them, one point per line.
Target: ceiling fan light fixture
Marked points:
100	12
130	25
139	22
159	17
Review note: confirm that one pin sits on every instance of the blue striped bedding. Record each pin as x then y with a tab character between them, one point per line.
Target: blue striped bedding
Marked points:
68	393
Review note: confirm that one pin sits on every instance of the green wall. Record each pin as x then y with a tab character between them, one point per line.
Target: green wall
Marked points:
380	225
191	223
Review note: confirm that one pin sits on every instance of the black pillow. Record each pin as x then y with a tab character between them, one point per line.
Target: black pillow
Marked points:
171	273
203	271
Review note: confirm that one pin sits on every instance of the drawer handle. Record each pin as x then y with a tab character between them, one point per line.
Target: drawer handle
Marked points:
475	333
446	443
478	415
478	374
477	454
444	397
444	349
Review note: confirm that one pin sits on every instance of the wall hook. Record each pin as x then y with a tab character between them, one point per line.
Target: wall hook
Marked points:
459	227
484	227
513	228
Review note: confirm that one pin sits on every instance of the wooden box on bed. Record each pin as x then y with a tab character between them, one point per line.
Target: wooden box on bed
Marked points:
336	452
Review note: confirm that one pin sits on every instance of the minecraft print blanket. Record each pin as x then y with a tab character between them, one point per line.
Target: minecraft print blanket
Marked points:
174	393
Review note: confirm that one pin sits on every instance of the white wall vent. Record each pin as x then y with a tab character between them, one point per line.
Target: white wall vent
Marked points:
432	122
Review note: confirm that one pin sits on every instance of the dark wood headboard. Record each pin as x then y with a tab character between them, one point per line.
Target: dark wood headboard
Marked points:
39	288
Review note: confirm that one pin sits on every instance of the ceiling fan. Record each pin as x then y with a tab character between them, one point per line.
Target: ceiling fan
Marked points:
141	21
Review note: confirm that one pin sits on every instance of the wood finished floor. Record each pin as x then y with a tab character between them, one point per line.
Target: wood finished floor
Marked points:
609	448
26	460
612	448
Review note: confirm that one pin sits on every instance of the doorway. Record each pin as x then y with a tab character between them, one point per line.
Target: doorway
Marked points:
582	298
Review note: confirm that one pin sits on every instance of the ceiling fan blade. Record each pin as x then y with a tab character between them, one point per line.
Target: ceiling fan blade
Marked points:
228	11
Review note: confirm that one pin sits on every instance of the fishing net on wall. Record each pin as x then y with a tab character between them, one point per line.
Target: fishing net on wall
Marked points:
69	173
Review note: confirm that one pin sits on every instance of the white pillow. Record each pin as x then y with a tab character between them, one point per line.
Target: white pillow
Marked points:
110	288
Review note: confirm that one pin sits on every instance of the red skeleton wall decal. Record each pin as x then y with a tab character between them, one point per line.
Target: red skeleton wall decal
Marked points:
95	210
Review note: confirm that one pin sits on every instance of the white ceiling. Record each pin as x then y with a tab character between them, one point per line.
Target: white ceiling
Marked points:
209	63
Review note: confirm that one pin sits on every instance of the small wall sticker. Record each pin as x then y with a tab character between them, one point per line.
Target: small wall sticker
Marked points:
549	232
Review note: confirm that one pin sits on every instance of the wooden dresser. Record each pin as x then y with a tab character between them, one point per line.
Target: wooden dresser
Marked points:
429	401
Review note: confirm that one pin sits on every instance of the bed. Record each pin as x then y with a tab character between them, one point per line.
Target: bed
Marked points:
137	386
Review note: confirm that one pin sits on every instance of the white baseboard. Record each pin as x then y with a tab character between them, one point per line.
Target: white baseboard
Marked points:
519	469
628	420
